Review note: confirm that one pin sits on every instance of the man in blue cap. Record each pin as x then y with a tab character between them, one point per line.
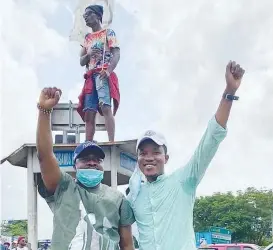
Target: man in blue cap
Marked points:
88	215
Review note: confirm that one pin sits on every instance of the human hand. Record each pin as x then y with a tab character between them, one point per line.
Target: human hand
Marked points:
49	97
234	75
94	52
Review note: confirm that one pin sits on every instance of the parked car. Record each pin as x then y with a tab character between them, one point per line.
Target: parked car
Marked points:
207	248
239	246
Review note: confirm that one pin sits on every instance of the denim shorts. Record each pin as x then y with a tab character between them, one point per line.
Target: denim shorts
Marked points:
99	96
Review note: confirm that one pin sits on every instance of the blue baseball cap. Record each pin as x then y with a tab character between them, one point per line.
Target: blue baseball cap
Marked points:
88	146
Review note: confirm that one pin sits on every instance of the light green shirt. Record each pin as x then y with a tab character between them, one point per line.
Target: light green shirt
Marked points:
86	219
164	209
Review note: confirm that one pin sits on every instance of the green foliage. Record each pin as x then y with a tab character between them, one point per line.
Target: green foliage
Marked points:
14	228
247	214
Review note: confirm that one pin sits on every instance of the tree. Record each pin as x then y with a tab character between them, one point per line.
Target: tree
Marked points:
247	214
14	228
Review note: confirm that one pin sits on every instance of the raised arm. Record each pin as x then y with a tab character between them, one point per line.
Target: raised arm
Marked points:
193	172
48	163
234	75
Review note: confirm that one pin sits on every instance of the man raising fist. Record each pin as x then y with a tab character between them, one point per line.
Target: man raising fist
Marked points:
163	206
87	214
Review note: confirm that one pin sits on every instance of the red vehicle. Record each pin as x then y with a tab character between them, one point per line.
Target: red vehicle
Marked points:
237	246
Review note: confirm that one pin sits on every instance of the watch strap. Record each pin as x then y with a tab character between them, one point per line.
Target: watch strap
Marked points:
230	97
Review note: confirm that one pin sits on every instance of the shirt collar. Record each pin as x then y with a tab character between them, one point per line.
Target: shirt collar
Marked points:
159	178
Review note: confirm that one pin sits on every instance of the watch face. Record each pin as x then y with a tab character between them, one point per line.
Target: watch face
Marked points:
231	97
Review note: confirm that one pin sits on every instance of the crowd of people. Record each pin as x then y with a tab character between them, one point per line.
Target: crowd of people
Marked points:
20	244
89	215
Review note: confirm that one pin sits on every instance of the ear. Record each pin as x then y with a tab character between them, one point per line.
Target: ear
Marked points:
166	159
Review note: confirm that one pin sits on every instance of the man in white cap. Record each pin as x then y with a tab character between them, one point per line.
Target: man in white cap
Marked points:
163	205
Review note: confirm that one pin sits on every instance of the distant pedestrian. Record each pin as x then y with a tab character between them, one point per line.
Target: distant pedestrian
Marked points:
21	244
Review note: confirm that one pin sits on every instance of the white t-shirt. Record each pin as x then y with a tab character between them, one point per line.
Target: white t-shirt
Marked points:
18	248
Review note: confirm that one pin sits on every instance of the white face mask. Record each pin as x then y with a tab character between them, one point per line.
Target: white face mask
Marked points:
135	184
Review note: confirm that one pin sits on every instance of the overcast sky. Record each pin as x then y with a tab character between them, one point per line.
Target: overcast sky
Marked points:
173	59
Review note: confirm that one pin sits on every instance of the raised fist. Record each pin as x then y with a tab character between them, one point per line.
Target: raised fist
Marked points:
234	75
49	97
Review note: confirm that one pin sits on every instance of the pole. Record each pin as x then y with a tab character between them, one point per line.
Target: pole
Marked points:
31	202
65	137
113	167
77	134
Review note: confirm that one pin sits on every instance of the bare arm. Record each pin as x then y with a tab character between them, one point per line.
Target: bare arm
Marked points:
126	238
48	163
223	111
234	74
84	57
114	60
193	172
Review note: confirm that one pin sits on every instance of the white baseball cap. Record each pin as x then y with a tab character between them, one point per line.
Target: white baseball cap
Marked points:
156	137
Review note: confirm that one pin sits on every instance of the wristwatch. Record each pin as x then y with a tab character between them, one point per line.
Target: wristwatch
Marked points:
230	97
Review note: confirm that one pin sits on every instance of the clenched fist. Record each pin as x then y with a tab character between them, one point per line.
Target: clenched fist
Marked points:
49	97
234	75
